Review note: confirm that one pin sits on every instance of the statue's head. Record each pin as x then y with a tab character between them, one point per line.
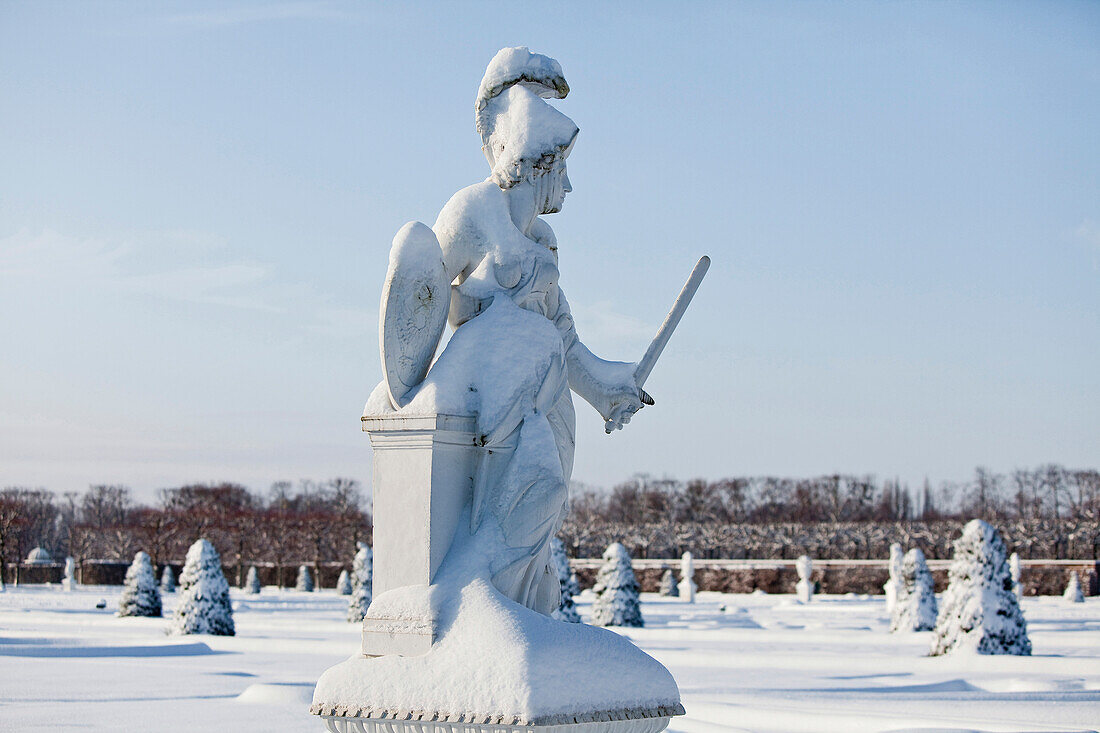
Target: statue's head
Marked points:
525	139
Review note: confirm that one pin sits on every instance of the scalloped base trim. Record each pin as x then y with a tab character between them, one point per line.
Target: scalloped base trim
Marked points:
346	719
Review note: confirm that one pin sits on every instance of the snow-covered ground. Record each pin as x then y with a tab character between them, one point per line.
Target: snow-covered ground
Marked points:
743	662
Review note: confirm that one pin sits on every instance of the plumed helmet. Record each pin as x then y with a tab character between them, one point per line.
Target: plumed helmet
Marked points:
521	134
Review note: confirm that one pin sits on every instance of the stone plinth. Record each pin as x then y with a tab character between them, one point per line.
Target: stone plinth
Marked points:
423	479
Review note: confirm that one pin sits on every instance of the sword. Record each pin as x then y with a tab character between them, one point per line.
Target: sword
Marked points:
664	333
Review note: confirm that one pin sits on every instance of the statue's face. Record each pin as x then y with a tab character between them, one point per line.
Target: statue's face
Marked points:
556	186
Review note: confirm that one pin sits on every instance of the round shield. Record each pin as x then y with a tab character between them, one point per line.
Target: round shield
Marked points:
415	301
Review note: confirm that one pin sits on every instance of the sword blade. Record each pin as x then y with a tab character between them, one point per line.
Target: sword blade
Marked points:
664	333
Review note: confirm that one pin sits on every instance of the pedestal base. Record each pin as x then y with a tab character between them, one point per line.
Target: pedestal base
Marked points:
498	666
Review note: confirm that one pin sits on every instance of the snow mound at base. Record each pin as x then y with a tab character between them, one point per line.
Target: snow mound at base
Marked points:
498	660
278	693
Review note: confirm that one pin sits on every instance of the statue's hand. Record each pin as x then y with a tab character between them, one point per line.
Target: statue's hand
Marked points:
623	400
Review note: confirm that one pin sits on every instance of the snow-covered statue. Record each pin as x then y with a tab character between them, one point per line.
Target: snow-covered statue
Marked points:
915	607
687	578
68	580
1014	573
1073	592
980	612
167	580
473	449
804	588
893	585
668	586
252	582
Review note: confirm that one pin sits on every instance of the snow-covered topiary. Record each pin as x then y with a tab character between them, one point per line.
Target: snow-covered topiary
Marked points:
204	606
892	589
559	563
305	580
1014	571
167	580
617	601
252	582
980	611
915	608
687	578
362	573
804	588
668	585
1073	592
343	583
140	594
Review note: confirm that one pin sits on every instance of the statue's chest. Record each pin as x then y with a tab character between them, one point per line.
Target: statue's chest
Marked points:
526	273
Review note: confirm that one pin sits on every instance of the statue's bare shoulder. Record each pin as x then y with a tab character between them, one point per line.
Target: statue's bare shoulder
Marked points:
472	222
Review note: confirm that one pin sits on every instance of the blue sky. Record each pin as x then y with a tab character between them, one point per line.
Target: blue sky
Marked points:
902	202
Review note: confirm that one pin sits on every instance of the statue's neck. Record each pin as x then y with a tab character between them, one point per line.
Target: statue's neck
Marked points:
521	206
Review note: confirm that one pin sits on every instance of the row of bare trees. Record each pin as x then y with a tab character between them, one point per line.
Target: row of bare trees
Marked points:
1049	511
1049	492
1039	539
1046	512
308	522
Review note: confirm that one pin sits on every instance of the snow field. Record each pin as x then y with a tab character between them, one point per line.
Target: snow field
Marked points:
743	662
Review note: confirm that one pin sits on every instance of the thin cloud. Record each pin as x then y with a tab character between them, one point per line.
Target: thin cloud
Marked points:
231	285
50	261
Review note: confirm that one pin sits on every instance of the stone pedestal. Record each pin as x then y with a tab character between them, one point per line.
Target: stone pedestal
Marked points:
423	480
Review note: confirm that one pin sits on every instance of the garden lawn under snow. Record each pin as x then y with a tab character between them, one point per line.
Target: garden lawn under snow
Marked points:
743	662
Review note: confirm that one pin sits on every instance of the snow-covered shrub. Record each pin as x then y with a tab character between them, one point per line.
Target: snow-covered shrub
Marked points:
252	582
167	580
204	606
1014	571
343	583
893	585
362	573
687	578
915	608
305	580
617	601
804	588
979	610
668	585
140	594
559	563
1073	592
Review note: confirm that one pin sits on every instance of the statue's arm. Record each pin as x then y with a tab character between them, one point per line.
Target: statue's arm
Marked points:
606	385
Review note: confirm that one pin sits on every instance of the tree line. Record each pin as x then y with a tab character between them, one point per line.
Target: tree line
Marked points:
1045	512
308	522
1049	511
1049	492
